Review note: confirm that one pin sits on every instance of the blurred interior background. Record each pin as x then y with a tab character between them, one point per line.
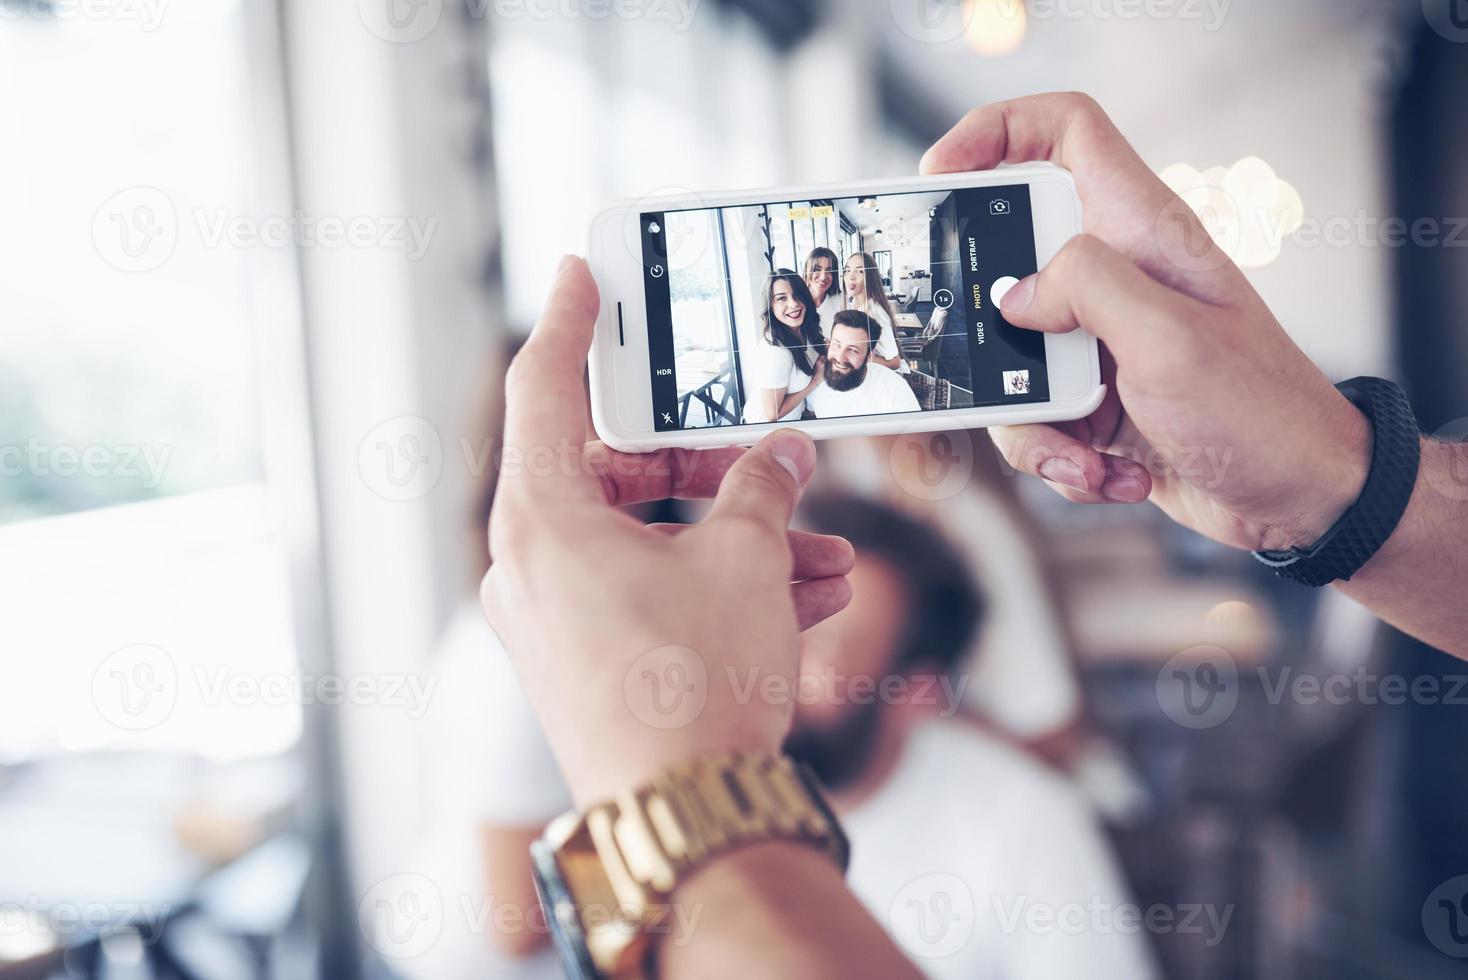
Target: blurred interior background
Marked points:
262	266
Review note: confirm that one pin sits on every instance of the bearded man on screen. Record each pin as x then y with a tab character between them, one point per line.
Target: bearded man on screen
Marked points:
853	385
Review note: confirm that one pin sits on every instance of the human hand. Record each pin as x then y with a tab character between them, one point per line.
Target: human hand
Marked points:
598	611
1211	411
817	374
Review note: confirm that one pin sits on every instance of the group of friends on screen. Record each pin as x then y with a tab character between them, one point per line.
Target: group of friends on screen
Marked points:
827	345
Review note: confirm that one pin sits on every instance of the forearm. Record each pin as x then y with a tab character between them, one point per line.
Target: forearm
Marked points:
793	399
775	910
1418	580
887	362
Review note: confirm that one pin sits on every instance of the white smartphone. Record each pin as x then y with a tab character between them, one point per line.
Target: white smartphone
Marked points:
854	309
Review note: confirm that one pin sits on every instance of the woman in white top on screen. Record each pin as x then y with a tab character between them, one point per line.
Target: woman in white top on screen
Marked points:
864	292
787	360
820	275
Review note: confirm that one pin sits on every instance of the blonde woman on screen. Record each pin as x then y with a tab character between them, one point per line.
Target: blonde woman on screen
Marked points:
820	274
864	292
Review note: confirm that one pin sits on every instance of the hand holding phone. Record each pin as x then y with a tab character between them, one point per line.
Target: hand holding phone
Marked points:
1211	411
841	310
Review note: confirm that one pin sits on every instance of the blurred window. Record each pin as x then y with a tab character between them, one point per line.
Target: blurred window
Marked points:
135	519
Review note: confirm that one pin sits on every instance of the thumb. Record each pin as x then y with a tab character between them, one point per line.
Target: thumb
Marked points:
764	485
1090	285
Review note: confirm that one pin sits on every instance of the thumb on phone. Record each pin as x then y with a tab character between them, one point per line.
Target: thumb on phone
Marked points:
760	490
1090	285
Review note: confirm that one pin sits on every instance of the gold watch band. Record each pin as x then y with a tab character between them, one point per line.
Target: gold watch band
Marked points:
629	854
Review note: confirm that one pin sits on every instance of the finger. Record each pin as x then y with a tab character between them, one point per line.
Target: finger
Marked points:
1071	466
1091	285
545	400
636	478
816	556
819	599
760	490
1124	200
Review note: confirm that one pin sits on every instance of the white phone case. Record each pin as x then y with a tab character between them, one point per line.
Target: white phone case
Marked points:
736	435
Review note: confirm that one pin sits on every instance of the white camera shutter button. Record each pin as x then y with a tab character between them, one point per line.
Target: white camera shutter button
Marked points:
1000	287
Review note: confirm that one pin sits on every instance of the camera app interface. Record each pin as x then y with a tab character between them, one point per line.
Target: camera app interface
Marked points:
839	308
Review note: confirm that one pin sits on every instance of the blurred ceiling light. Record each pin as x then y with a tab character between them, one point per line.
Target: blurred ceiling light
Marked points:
868	202
995	27
1248	210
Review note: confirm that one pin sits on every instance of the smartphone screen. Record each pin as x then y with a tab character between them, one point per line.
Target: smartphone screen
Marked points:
839	308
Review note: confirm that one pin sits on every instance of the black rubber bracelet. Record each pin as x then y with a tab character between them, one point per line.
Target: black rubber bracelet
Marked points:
1396	451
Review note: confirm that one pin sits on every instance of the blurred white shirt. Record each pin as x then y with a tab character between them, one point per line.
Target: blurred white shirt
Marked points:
983	863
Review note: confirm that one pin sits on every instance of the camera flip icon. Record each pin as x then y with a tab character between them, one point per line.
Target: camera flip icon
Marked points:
999	206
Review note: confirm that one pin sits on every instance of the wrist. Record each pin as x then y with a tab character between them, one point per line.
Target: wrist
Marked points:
616	761
1334	484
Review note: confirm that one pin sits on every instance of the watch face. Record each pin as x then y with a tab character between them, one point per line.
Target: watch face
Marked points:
560	914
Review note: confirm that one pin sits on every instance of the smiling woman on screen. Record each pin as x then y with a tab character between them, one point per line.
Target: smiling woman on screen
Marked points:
787	363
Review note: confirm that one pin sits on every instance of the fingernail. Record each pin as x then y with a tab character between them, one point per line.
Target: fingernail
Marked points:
565	263
1019	296
797	454
1063	471
1124	490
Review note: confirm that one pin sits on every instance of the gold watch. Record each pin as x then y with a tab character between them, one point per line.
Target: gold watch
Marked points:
605	876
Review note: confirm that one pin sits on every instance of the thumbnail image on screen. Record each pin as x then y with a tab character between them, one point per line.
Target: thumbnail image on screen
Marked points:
838	308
